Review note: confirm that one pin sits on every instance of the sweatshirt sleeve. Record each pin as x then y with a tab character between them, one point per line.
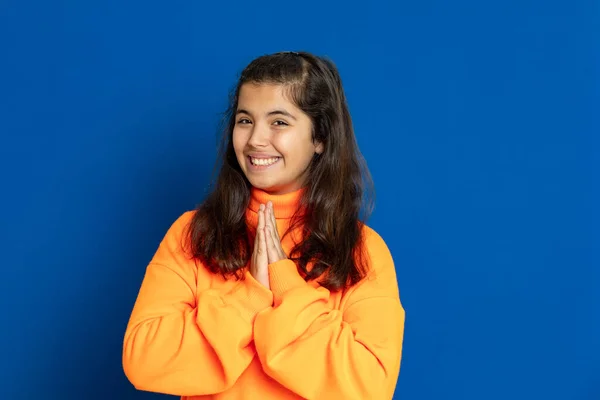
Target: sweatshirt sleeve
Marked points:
185	338
324	353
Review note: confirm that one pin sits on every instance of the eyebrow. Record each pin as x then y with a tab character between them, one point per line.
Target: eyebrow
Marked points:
274	112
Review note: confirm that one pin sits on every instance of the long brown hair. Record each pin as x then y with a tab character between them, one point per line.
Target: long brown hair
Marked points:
339	191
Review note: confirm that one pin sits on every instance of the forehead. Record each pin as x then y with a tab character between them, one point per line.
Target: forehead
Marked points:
263	96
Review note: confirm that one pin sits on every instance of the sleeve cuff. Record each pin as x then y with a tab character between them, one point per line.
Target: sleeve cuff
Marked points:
284	276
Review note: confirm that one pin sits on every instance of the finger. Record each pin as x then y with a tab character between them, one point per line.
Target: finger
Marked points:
261	217
267	217
275	251
262	249
267	214
271	215
271	251
273	221
256	236
260	222
263	229
273	241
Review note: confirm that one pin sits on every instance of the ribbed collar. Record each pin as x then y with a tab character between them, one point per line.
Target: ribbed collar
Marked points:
284	205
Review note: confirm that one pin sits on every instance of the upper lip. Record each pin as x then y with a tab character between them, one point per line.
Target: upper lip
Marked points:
261	155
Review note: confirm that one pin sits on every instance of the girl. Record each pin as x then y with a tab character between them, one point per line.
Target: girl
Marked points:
274	288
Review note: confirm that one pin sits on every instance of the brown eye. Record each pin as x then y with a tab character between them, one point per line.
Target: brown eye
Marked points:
280	123
243	121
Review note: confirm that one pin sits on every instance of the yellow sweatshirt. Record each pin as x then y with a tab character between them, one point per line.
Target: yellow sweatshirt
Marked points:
196	335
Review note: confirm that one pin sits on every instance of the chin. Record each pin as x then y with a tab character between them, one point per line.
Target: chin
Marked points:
261	184
271	188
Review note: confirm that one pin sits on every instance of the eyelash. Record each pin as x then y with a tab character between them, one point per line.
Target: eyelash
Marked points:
279	122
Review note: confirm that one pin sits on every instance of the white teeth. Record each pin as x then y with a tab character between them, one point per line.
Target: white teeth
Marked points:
263	161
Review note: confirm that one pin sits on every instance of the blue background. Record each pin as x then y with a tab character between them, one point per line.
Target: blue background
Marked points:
479	121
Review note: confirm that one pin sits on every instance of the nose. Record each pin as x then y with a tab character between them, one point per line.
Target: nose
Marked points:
260	136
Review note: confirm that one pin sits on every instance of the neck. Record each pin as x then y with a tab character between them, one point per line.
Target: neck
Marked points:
284	208
284	205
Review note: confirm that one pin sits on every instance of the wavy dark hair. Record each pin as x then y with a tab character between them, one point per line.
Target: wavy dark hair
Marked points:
339	191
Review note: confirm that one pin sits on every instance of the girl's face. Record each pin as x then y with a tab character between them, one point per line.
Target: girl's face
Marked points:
272	139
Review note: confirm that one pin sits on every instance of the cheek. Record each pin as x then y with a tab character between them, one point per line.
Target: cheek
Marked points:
294	151
287	146
238	141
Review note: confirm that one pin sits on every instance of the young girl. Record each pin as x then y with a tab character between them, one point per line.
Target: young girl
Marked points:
274	288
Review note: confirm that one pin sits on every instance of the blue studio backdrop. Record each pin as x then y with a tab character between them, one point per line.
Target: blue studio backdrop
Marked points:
477	122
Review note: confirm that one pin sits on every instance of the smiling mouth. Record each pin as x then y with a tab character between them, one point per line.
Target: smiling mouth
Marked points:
263	161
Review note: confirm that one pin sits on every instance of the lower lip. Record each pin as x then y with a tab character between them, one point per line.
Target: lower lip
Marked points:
253	167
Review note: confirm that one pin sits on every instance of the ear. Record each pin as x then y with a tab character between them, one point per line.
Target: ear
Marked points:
319	147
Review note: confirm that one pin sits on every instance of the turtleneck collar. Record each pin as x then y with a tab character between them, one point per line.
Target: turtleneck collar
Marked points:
284	205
